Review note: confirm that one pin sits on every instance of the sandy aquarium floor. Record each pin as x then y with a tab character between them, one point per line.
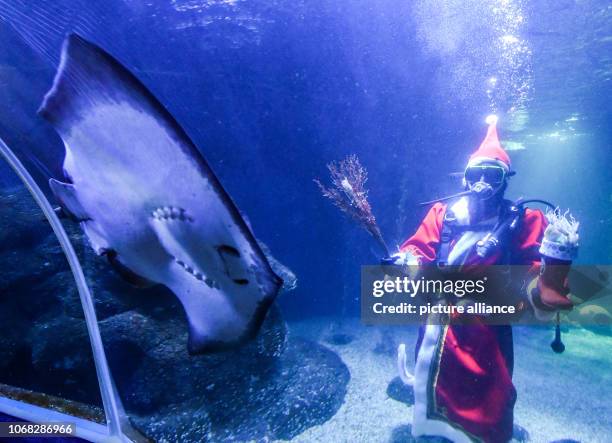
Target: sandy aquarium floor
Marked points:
560	397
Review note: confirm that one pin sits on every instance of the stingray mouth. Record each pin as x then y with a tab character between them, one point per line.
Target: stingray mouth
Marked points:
198	275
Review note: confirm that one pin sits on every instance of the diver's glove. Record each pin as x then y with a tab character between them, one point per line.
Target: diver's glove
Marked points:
388	261
400	259
550	290
407	264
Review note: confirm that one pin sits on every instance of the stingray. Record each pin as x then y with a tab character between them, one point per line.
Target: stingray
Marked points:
146	199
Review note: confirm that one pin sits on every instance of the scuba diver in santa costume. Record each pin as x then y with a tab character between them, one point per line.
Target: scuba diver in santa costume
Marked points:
463	373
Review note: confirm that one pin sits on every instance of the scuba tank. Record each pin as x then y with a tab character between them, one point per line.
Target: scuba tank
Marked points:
508	223
491	242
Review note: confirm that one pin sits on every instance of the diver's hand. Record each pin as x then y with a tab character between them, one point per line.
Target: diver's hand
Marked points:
549	292
400	259
405	263
559	247
553	286
389	261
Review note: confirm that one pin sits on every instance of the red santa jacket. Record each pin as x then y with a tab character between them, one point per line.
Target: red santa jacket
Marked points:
524	249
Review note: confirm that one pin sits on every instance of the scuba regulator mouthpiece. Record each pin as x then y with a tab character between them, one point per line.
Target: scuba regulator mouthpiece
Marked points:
482	190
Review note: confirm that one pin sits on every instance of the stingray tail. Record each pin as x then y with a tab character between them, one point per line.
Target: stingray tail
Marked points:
404	374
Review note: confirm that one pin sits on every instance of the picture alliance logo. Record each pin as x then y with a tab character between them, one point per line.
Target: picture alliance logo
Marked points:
413	287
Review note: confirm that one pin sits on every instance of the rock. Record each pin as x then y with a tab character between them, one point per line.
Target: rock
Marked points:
62	362
289	278
403	434
520	434
234	396
174	424
279	400
157	355
290	396
387	344
34	266
336	335
339	339
398	390
273	387
23	224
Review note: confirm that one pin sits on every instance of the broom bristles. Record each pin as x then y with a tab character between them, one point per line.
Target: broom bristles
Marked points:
349	194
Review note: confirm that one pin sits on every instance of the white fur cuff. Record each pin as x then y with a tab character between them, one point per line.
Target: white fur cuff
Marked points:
561	236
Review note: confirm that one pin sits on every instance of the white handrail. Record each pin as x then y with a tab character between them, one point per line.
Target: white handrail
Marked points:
110	400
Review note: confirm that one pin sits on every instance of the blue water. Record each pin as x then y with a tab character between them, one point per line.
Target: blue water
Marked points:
271	91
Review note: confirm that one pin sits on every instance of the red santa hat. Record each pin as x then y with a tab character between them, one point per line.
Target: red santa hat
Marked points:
490	148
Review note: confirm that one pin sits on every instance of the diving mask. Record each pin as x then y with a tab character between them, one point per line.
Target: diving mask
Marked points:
484	180
491	174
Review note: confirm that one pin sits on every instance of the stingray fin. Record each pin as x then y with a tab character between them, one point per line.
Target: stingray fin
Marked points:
217	323
126	273
68	199
225	292
81	82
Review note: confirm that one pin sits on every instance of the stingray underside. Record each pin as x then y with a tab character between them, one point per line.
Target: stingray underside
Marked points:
145	196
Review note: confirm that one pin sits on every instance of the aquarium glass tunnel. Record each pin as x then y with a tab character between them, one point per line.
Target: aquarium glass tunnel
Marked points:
271	221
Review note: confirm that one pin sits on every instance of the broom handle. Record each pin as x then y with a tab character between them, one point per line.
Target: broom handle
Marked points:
379	239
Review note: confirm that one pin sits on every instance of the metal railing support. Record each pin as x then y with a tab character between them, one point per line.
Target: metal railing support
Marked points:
115	415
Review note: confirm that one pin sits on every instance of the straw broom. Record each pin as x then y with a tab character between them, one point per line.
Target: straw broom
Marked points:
349	194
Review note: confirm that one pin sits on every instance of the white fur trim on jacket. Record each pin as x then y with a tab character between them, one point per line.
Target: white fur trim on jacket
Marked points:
402	368
421	424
